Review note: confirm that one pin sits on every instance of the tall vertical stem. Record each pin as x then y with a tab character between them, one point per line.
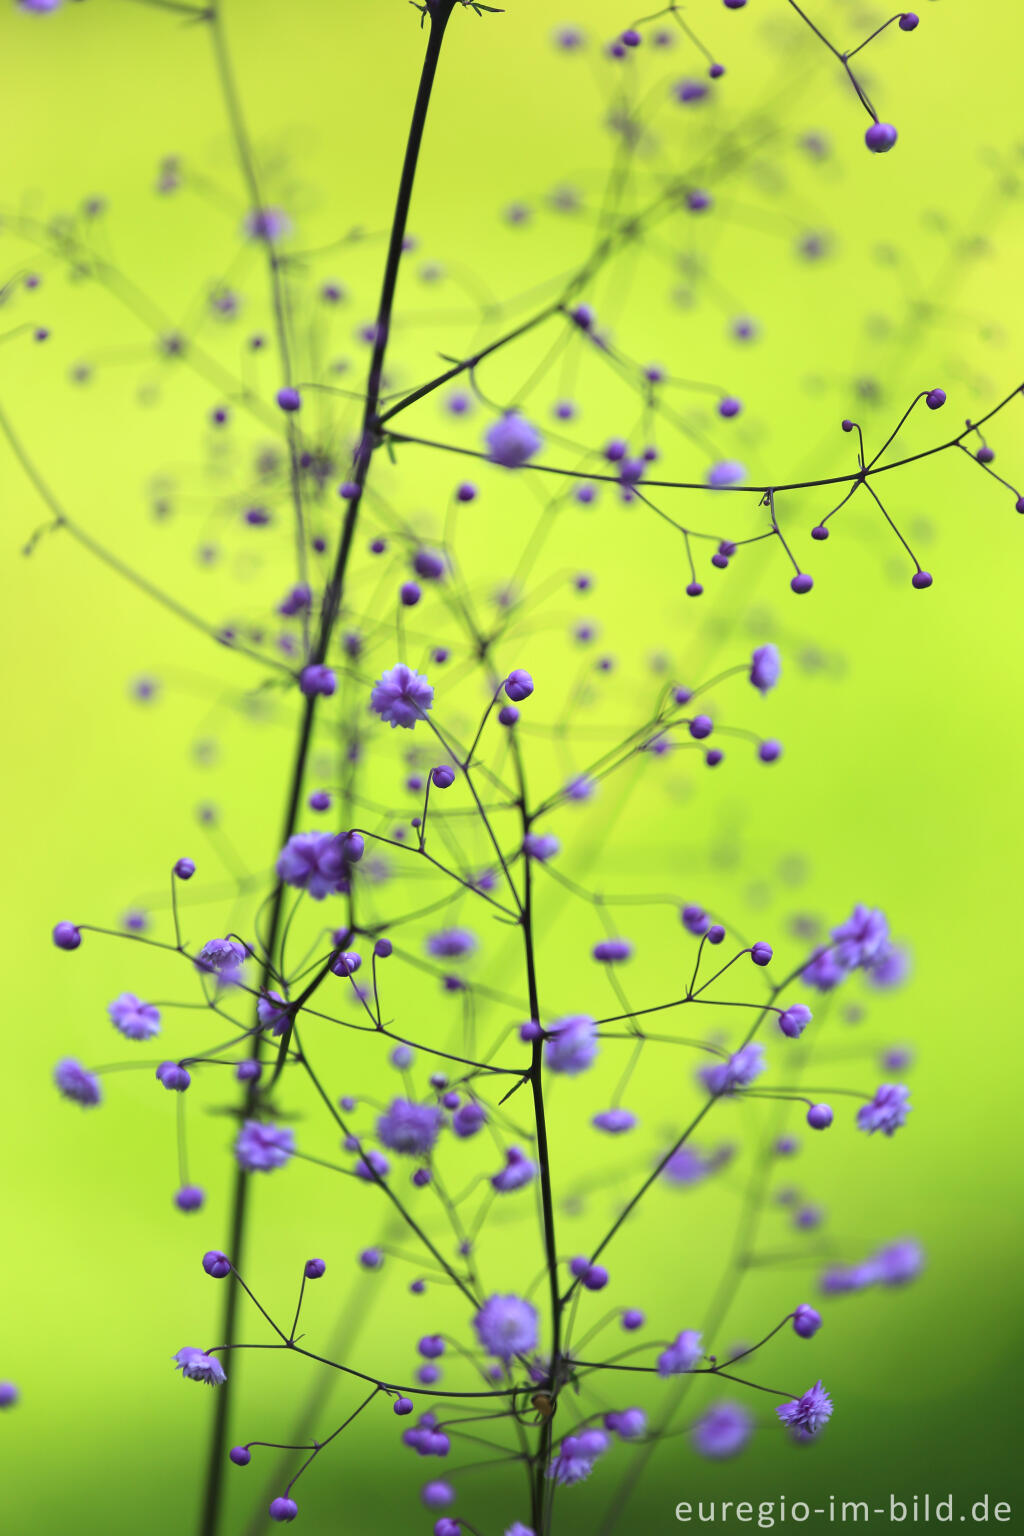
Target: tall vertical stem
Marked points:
438	14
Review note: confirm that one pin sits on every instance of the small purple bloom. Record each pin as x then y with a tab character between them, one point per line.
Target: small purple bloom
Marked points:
314	862
272	1012
75	1082
862	939
198	1366
135	1019
738	1072
614	1121
682	1355
518	1171
723	1431
540	846
451	944
571	1046
611	951
794	1020
222	958
506	1326
401	696
887	1111
765	668
512	441
809	1414
261	1146
410	1129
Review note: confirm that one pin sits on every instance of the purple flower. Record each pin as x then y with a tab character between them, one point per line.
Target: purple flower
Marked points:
576	1457
612	950
722	1431
887	1111
806	1415
695	920
314	862
861	940
794	1020
223	958
628	1424
823	971
372	1167
518	1171
726	472
411	1129
134	1018
614	1121
318	679
540	846
198	1366
571	1045
260	1146
401	696
451	943
272	1012
512	441
682	1355
468	1119
899	1262
765	668
506	1326
174	1076
738	1072
267	224
890	968
75	1082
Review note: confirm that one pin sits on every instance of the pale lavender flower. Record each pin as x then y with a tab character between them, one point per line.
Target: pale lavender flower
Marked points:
765	668
411	1129
506	1326
268	224
518	1171
75	1082
134	1018
614	1121
314	862
451	943
401	696
738	1072
723	1431
899	1262
272	1012
198	1366
887	1111
823	971
890	968
571	1046
681	1355
222	958
512	441
861	939
726	472
261	1146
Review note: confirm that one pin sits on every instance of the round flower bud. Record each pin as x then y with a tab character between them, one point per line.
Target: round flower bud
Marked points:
409	594
806	1321
518	685
715	934
442	777
249	1071
185	869
694	589
935	398
508	714
216	1264
760	952
402	1406
880	138
189	1197
819	531
909	21
466	491
819	1117
174	1077
802	582
289	398
921	579
8	1394
240	1455
700	727
283	1509
314	1268
769	751
66	936
383	948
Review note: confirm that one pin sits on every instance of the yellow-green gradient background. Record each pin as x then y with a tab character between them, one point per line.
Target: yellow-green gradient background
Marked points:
899	710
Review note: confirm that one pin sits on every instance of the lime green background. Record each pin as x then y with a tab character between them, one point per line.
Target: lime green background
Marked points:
898	709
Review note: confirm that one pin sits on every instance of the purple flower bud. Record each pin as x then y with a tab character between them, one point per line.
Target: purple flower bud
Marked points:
880	138
174	1076
317	679
760	953
314	1269
283	1510
240	1455
518	685
189	1197
632	1319
819	1117
216	1264
288	398
794	1020
185	869
512	441
66	936
442	777
806	1321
